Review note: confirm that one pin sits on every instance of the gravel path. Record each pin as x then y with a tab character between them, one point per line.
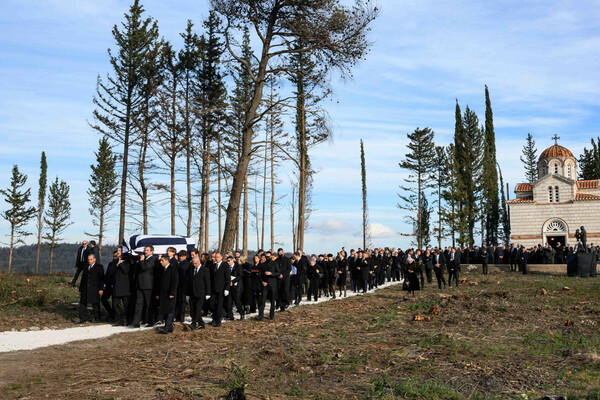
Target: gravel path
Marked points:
16	341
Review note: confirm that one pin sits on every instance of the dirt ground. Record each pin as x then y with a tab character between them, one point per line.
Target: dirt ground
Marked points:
506	336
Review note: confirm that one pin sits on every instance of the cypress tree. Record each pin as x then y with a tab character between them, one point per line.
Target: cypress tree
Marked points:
363	175
57	214
420	164
103	187
490	176
41	203
529	159
18	215
504	215
440	178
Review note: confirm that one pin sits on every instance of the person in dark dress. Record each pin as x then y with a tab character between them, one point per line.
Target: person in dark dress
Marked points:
269	275
332	275
247	294
411	279
256	283
313	280
236	288
428	265
91	288
169	281
283	282
182	266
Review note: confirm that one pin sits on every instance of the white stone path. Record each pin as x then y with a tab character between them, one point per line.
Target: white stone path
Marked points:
15	341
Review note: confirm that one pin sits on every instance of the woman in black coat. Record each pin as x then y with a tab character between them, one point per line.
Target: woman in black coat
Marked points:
169	281
256	283
411	278
342	271
247	294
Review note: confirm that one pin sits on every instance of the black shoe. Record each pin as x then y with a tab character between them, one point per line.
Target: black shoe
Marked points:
259	318
242	317
217	324
200	327
135	325
165	331
193	326
81	321
272	318
97	321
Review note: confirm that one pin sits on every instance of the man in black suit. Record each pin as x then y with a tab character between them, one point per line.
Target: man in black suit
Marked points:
513	257
439	264
453	266
169	282
182	266
90	289
220	288
80	261
236	287
283	283
268	274
486	258
198	290
145	283
302	275
95	250
109	283
121	291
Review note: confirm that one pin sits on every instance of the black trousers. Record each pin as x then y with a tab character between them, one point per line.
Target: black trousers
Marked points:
313	288
283	292
484	268
439	276
106	295
196	304
180	307
120	306
235	297
77	272
429	275
217	302
142	299
83	313
269	292
453	274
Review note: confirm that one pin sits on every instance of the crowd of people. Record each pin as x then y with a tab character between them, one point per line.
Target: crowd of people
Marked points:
152	288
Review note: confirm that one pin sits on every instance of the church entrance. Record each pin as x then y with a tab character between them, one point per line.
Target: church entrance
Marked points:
554	240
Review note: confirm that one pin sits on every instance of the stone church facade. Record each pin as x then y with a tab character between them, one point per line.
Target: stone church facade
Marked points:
553	207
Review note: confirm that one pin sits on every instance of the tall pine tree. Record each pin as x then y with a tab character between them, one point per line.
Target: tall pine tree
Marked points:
468	144
440	179
19	214
41	203
57	214
504	214
118	99
104	183
419	162
529	159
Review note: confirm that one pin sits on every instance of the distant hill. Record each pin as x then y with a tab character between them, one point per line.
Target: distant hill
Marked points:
64	258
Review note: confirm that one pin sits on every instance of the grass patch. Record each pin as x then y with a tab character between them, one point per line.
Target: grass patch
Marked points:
560	343
238	378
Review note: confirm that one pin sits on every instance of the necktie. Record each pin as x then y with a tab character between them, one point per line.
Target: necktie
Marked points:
195	271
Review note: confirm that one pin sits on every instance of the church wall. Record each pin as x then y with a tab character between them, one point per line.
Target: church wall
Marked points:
541	194
527	220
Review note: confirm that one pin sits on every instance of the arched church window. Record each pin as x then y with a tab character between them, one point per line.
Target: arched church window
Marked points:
569	171
550	193
556	168
556	194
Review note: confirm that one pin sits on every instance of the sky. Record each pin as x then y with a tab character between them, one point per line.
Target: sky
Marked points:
539	60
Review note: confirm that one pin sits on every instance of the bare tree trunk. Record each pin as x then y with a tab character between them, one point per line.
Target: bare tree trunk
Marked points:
245	218
51	252
219	185
101	233
125	166
172	195
202	205
271	218
12	242
420	214
264	197
439	213
294	243
302	181
207	201
258	246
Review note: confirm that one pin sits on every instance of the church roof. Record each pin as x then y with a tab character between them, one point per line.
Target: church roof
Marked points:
528	199
556	151
523	187
589	184
585	196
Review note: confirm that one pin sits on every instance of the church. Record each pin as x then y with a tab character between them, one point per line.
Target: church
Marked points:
550	209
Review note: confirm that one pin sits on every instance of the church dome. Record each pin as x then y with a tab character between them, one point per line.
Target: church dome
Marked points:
556	151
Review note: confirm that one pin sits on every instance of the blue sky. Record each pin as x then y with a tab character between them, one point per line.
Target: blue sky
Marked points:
539	59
